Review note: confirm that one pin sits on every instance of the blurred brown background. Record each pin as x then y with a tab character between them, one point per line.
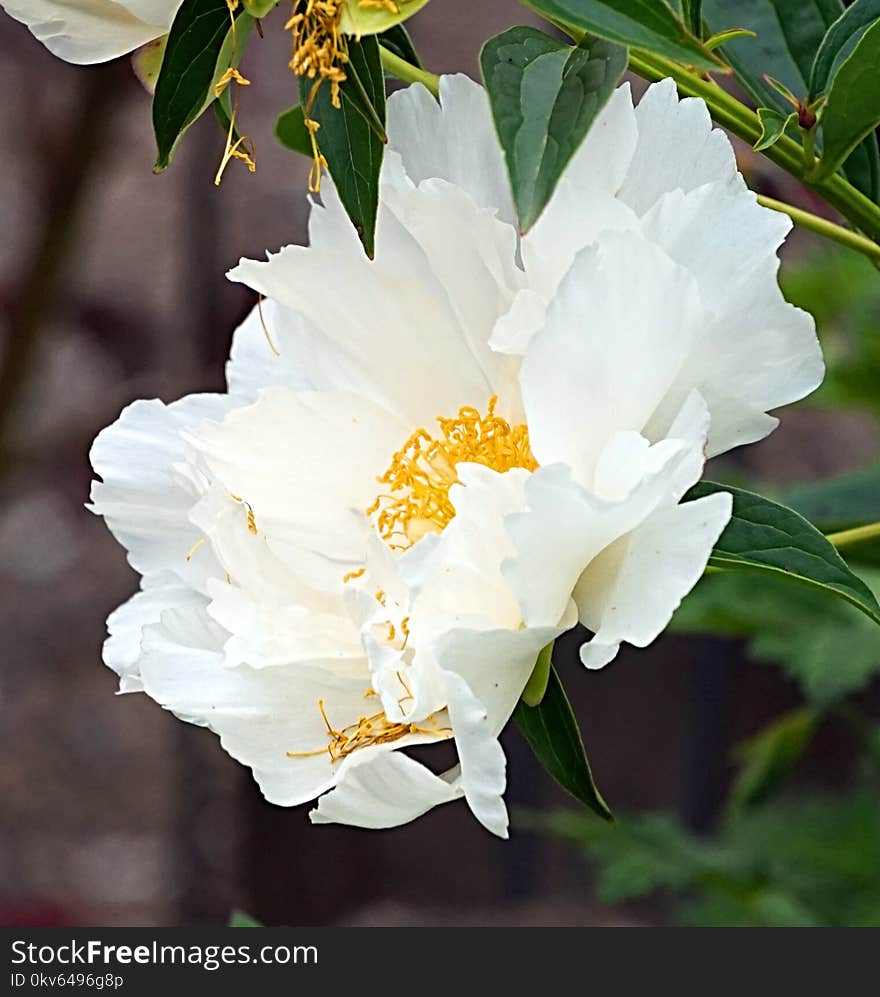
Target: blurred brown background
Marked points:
111	285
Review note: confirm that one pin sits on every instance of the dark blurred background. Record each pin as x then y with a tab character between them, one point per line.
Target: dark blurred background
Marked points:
115	813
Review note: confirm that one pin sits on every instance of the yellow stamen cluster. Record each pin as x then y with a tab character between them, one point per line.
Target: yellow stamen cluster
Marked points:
423	470
368	731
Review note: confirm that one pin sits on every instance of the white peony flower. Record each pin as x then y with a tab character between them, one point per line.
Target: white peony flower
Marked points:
364	545
90	31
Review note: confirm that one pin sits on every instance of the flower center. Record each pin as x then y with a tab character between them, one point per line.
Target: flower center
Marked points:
423	470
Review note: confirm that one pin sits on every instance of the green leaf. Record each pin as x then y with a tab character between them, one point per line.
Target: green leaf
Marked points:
398	41
349	141
693	16
852	110
642	24
838	43
259	8
365	19
291	131
769	757
788	34
536	686
774	125
768	537
544	97
238	919
552	732
202	45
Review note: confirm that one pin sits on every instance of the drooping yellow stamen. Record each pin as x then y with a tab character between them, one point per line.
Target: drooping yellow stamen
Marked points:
194	548
423	470
368	731
241	148
319	53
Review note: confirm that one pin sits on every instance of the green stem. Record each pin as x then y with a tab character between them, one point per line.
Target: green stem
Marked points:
857	535
405	71
809	156
786	153
821	226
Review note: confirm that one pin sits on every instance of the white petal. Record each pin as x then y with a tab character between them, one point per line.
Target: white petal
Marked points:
122	648
89	31
617	334
454	140
585	201
269	349
677	149
143	497
755	351
409	329
482	760
630	591
565	527
306	465
384	790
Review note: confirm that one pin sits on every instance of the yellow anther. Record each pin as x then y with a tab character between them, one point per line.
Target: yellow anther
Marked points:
423	470
227	78
351	575
368	731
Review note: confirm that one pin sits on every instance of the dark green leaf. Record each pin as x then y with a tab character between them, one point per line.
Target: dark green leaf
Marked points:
552	732
693	16
642	24
398	41
202	45
774	125
852	110
768	758
838	43
348	141
768	537
788	34
291	131
238	919
544	97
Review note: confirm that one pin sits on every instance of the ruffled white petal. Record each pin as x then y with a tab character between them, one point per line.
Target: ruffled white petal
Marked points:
90	31
677	149
306	465
122	648
617	333
145	496
630	591
384	790
409	329
454	140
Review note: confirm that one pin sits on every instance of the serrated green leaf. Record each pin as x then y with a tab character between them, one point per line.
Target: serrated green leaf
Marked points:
769	756
839	41
398	41
552	732
545	96
788	34
291	131
348	141
202	45
642	24
238	919
773	126
852	110
768	537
